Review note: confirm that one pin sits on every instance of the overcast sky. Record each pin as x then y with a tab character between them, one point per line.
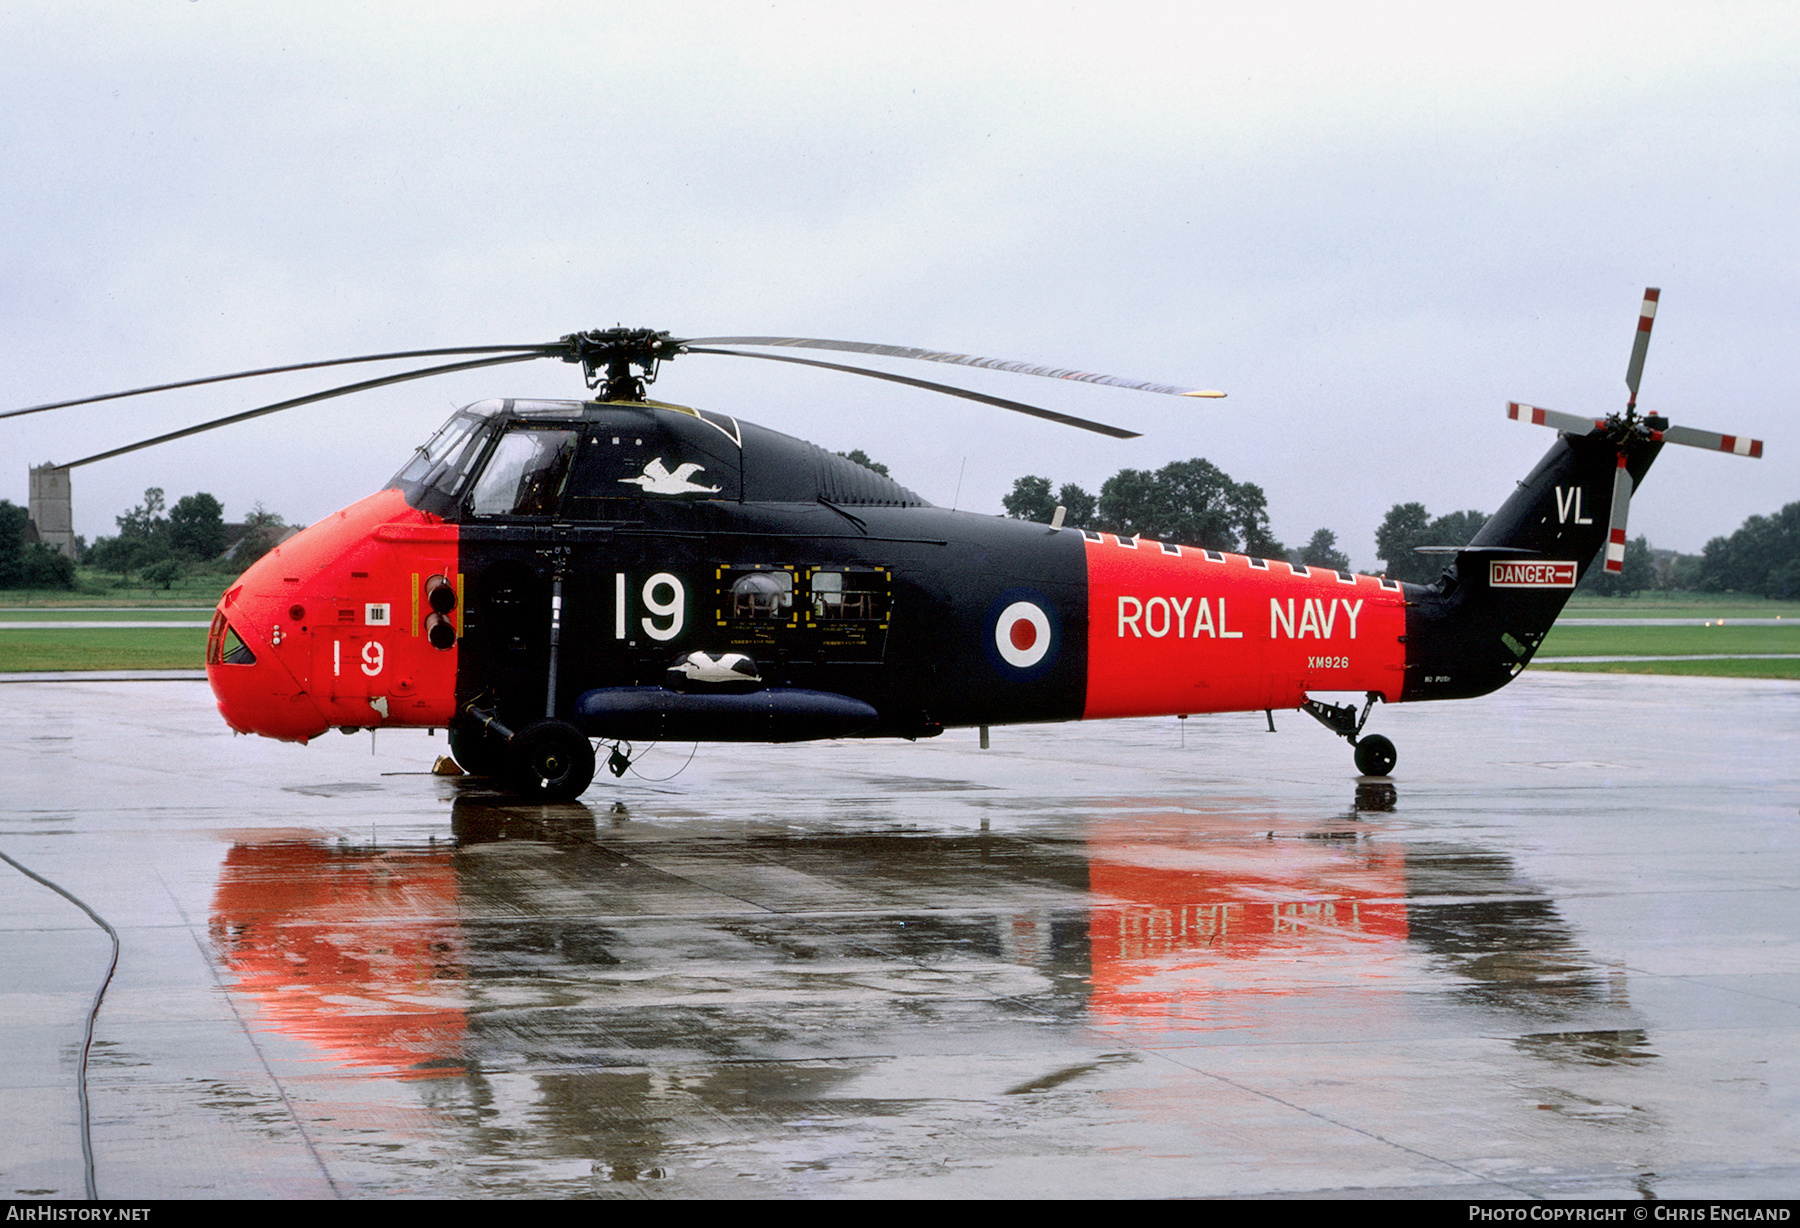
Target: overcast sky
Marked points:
1372	225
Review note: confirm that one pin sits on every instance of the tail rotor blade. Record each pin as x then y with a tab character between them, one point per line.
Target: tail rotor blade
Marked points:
1538	416
1712	441
1641	343
1615	529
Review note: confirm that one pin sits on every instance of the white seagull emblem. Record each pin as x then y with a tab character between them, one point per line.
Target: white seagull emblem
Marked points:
657	480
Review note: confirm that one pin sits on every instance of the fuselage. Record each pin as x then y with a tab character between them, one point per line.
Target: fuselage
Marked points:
534	555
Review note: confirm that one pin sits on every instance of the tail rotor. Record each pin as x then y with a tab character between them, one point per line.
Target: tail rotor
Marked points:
1629	428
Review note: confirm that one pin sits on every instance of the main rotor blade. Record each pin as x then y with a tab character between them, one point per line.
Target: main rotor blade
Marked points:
248	414
1016	406
1646	317
1737	445
966	360
537	351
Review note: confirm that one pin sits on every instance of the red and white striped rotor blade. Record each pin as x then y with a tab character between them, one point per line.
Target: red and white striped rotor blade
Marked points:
1551	418
1646	317
1615	527
1712	441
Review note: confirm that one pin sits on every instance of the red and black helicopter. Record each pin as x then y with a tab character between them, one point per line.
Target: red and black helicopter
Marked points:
541	575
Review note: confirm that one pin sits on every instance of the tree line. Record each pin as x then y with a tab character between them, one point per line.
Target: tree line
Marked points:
1196	503
25	563
159	542
1192	501
162	543
1762	557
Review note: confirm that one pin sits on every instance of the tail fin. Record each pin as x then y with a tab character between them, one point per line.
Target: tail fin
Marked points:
1478	626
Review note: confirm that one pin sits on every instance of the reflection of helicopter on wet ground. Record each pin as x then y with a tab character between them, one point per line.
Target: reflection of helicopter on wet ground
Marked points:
435	961
542	574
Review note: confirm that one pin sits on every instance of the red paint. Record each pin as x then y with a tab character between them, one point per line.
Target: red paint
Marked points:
1195	916
347	658
291	921
1175	634
1024	635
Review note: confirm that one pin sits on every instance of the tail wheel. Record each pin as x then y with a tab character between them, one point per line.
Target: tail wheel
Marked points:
552	761
1375	755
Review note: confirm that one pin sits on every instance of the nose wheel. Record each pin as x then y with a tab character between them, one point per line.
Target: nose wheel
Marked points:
1375	755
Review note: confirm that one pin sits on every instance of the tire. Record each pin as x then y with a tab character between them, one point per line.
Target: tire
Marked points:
478	752
1375	756
552	761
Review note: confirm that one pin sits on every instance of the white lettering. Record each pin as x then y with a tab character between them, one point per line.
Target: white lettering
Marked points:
1204	619
1563	503
1150	608
1309	617
1318	617
673	609
1181	609
1277	618
1137	612
1224	634
372	658
1570	501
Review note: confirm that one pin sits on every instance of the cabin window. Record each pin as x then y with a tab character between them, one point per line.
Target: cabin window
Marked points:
525	473
762	594
859	595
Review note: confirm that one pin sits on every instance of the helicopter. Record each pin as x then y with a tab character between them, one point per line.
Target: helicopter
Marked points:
542	575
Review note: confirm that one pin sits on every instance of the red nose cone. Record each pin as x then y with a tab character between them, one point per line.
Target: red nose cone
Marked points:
329	627
256	691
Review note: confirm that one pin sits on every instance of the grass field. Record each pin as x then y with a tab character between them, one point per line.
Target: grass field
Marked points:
1681	605
105	614
1565	641
1725	637
1709	669
94	589
102	648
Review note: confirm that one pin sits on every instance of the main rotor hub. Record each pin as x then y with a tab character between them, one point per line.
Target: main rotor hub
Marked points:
607	356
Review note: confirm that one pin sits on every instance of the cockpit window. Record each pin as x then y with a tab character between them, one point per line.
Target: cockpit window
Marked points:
525	473
437	450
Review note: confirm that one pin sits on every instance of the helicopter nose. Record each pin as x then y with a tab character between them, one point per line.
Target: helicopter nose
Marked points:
353	622
256	689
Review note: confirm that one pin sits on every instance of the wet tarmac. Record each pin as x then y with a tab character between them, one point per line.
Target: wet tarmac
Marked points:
1557	955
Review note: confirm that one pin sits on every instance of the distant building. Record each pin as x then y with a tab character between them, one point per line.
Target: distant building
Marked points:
51	508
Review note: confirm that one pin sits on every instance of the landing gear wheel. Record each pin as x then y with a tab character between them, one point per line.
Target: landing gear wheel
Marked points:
552	761
1375	755
477	752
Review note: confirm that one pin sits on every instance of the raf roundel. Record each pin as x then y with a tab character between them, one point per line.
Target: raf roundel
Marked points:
1022	634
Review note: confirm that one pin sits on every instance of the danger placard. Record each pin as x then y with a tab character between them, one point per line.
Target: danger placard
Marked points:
1534	574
